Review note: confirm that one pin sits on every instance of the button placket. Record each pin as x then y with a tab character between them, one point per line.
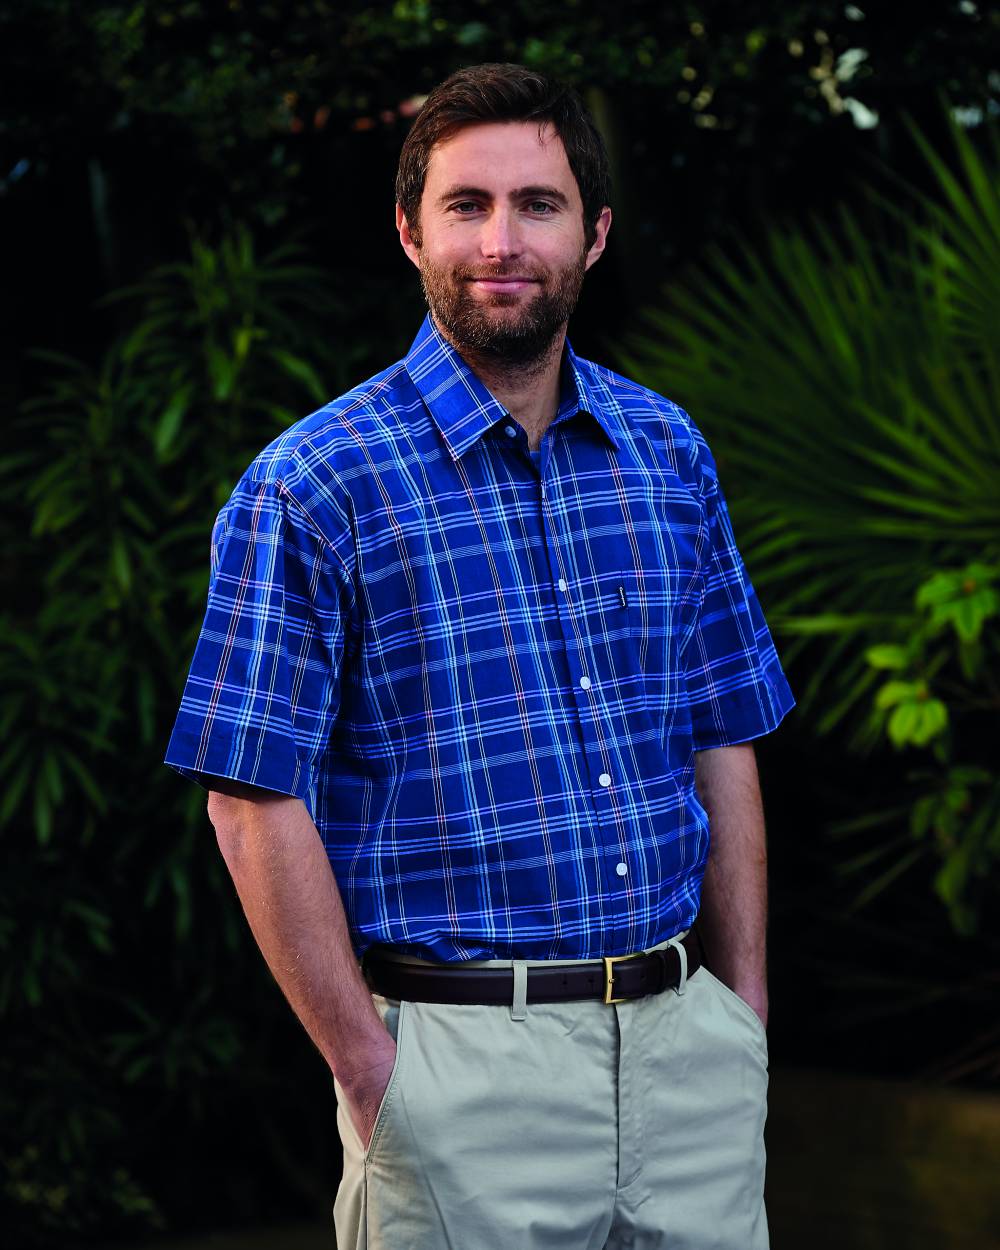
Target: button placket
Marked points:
582	619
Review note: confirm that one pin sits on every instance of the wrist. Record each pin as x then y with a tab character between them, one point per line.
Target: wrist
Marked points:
754	993
366	1052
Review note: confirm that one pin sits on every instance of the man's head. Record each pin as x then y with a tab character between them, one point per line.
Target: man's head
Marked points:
505	93
502	203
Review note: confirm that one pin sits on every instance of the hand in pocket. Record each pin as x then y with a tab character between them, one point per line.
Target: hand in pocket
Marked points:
365	1089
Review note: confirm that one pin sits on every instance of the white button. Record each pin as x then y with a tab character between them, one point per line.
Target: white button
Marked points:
509	429
621	870
585	682
605	779
562	583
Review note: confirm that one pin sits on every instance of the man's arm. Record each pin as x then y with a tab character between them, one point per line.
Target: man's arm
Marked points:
733	915
290	896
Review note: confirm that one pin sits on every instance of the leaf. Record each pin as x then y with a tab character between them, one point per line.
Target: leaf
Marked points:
902	723
221	372
932	719
973	611
87	781
121	565
922	814
878	884
302	372
886	655
894	692
169	425
951	877
53	777
136	1069
941	587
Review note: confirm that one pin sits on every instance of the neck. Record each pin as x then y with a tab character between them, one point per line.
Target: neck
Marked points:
529	390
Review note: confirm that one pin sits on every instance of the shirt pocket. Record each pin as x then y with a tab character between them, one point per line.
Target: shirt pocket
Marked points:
659	604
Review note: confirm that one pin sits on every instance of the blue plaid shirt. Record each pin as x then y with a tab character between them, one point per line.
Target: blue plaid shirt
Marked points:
485	673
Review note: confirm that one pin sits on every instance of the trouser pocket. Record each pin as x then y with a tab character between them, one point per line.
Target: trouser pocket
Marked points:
393	1012
350	1208
740	1006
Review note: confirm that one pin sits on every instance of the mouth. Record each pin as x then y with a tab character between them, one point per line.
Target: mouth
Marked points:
504	286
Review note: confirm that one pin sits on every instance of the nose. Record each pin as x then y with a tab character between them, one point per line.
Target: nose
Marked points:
499	240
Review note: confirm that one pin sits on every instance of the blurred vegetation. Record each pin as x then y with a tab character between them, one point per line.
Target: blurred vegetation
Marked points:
119	929
268	112
227	169
853	387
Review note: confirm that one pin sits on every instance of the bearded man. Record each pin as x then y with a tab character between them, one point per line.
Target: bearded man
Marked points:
474	700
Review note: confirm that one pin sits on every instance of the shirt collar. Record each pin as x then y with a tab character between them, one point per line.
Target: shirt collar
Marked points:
462	405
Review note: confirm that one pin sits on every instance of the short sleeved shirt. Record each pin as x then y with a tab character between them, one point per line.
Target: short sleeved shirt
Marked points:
485	671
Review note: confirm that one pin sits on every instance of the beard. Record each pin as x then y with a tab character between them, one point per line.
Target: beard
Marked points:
484	326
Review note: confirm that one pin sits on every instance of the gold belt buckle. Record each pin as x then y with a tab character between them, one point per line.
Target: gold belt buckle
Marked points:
609	961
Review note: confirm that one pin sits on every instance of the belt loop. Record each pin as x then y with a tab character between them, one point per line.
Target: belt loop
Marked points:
681	949
518	1006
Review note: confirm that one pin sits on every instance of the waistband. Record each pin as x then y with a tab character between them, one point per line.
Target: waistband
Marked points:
400	957
610	979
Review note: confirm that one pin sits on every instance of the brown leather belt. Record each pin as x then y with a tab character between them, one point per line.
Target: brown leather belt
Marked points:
612	979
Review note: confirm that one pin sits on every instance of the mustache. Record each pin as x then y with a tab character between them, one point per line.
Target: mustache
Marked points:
494	272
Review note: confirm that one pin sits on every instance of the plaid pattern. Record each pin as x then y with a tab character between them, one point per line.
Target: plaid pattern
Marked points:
485	679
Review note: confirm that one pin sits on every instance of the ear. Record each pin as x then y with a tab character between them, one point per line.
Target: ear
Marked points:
602	225
405	238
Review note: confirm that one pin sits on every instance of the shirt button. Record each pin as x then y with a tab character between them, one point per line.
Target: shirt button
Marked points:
562	583
510	431
621	869
585	682
605	779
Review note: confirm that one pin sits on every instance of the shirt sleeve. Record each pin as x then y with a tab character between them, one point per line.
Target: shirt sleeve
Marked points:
736	686
263	691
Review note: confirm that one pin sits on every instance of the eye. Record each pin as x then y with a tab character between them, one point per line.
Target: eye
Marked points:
541	208
463	207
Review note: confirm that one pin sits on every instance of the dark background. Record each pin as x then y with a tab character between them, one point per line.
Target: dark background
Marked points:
153	1076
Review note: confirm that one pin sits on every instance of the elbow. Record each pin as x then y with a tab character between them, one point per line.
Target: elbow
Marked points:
241	813
231	809
230	817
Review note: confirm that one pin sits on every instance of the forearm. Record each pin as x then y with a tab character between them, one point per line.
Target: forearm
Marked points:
293	906
732	919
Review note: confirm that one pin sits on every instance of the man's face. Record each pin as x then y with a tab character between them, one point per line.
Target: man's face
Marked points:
500	244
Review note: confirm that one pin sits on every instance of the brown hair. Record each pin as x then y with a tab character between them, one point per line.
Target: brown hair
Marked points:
497	92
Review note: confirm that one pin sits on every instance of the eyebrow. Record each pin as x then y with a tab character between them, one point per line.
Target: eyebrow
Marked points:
519	193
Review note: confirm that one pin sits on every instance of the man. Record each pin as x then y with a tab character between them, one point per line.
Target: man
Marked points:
481	666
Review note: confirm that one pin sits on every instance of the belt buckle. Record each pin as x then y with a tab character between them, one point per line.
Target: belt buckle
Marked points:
609	962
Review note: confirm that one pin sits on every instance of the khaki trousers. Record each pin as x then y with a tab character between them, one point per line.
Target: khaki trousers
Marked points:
564	1126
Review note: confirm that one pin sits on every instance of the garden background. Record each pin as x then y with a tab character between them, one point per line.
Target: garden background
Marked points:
196	222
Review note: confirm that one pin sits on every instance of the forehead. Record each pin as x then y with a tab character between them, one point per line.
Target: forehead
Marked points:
498	156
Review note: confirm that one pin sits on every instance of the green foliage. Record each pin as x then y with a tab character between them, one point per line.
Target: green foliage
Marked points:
118	927
944	672
850	383
67	1205
952	626
220	81
127	974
